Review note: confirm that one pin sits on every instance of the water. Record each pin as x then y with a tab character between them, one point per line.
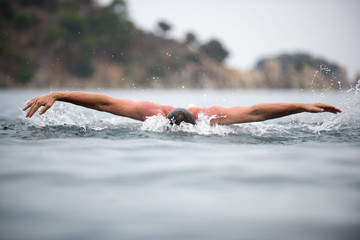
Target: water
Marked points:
75	173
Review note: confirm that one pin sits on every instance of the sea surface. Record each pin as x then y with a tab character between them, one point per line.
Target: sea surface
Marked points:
74	173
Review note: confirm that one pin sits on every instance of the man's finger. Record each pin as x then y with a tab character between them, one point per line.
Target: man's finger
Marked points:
332	109
28	105
32	110
28	114
320	109
44	109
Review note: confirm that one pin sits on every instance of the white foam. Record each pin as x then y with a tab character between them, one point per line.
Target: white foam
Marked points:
160	123
63	114
57	115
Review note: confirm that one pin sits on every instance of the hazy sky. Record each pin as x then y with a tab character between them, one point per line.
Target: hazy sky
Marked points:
251	29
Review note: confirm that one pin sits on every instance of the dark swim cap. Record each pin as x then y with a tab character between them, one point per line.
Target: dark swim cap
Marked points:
179	115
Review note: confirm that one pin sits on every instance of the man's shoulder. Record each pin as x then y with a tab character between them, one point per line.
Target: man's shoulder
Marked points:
195	110
165	109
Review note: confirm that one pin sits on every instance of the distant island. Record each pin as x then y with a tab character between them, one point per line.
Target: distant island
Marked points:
81	44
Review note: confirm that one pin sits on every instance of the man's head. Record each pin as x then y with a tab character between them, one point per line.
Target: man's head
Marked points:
179	115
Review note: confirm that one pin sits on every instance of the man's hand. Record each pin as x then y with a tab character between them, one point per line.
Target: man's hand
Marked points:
320	107
34	104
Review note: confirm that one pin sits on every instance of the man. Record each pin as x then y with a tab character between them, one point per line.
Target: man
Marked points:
141	110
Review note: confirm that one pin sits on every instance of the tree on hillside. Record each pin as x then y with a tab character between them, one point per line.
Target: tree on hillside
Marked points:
190	38
119	8
164	27
215	50
191	41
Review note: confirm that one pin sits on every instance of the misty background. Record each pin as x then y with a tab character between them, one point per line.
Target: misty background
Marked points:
252	29
170	44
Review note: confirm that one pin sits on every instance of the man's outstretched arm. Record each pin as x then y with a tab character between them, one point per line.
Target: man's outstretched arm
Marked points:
264	111
138	110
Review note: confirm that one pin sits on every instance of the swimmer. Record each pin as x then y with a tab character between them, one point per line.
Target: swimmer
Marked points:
141	110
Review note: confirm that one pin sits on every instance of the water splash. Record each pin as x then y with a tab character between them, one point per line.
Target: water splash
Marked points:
63	114
329	74
355	89
160	123
351	105
70	118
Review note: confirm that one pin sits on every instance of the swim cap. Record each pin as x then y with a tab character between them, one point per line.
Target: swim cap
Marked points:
179	115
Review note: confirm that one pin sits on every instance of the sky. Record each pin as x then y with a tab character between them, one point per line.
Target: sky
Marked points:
252	29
